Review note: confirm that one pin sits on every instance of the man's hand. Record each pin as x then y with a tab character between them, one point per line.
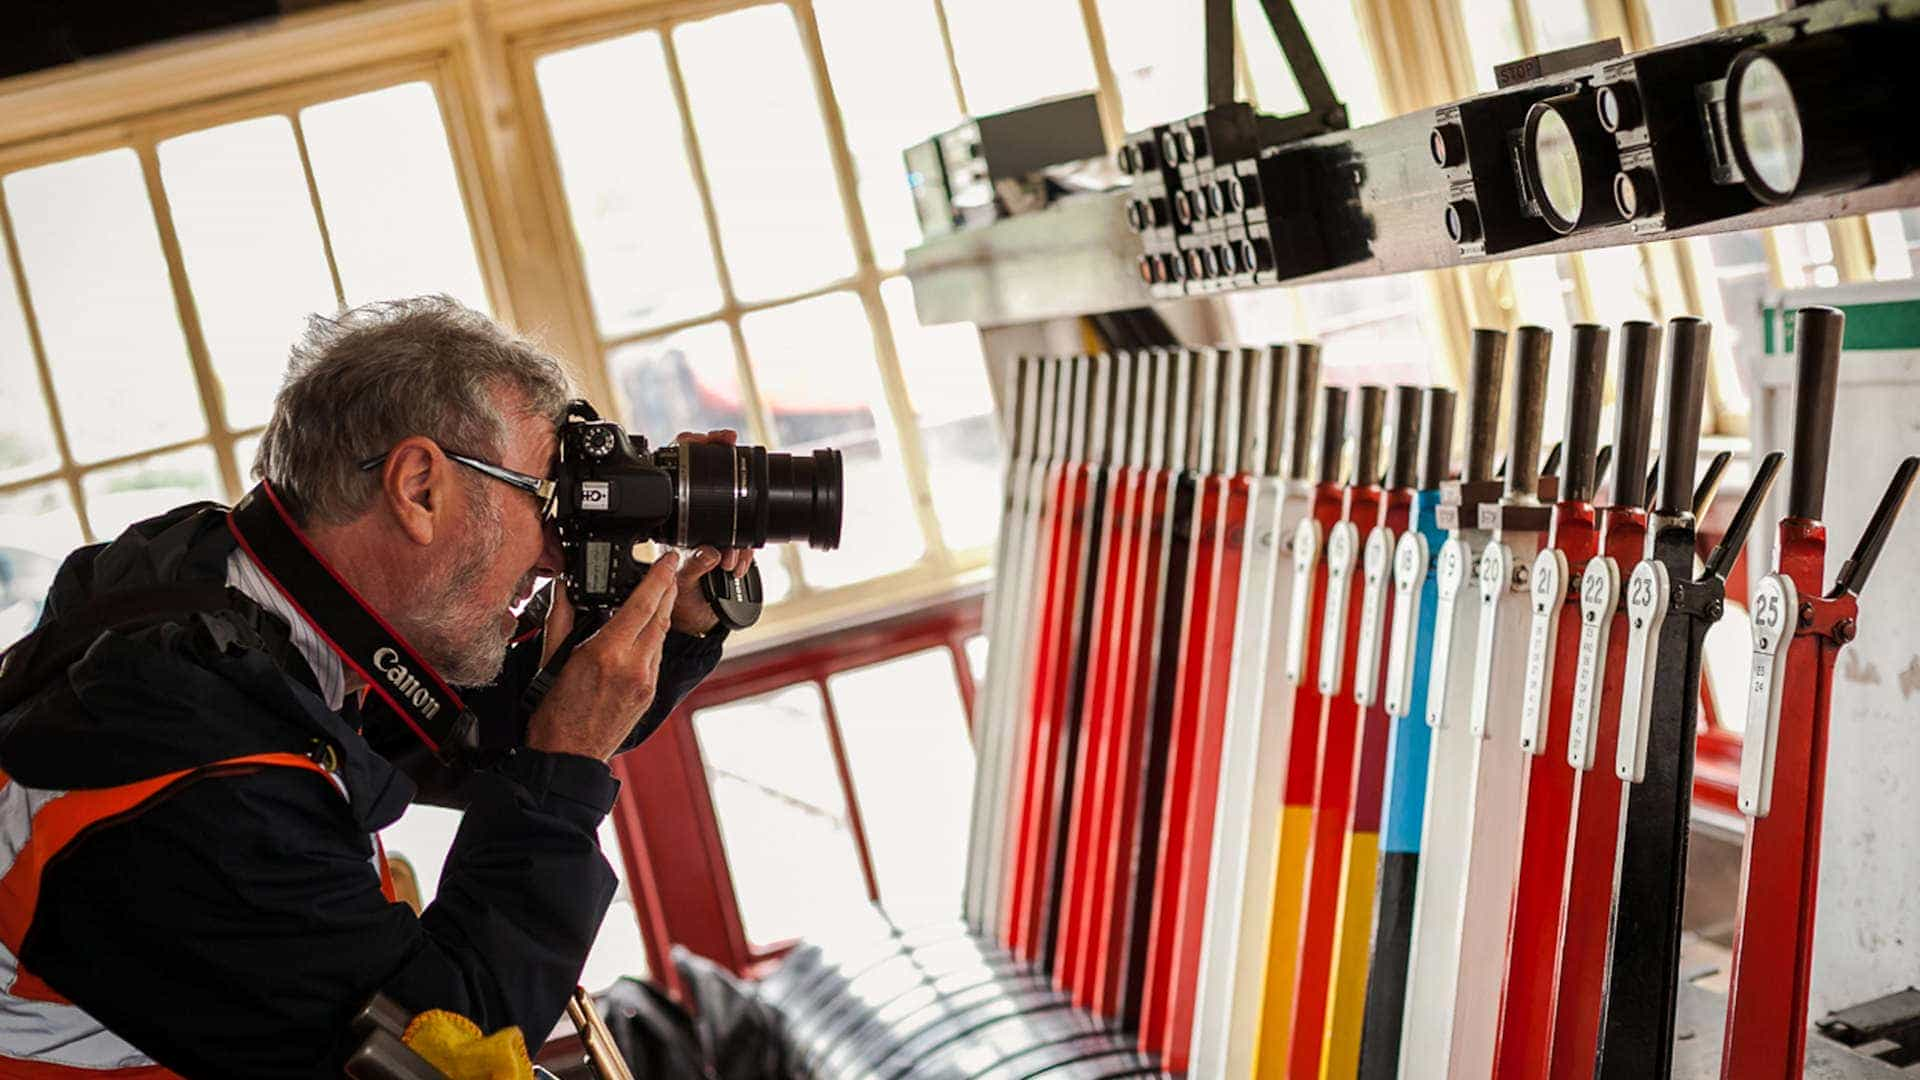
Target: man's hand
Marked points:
609	680
691	612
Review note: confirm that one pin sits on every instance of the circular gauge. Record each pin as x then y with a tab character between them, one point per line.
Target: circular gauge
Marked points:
1767	137
1569	163
1557	162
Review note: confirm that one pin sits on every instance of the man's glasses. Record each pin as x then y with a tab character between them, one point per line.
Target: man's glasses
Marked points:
541	489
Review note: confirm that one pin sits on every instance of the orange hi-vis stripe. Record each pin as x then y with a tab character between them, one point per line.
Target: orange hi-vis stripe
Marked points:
42	825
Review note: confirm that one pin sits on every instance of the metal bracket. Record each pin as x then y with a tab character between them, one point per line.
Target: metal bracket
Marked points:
1324	112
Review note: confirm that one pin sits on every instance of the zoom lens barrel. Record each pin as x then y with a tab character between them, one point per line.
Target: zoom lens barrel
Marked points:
746	496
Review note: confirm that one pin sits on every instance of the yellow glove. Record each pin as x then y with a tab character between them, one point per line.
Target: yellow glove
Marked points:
453	1044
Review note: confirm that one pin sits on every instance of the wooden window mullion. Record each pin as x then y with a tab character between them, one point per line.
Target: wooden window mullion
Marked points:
212	402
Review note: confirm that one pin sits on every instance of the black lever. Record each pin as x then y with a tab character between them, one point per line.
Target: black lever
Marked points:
1720	560
1633	413
1687	363
1853	572
1817	331
1404	472
1485	375
1551	466
1709	485
1366	450
1653	479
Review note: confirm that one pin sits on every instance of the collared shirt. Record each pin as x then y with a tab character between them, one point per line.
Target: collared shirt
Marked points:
328	671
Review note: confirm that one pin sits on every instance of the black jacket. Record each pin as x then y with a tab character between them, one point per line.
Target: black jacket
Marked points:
234	926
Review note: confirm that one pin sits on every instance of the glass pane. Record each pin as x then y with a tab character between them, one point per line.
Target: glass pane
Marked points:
26	431
1543	295
1493	37
688	381
783	816
245	450
623	161
119	496
1558	24
1617	281
977	658
913	774
1334	29
252	251
815	365
889	99
37	530
1748	10
618	949
89	247
1158	53
1370	330
1015	52
1891	259
424	835
946	377
1673	20
765	152
393	205
1264	316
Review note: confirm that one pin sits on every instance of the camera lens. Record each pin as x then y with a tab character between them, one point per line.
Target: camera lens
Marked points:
744	496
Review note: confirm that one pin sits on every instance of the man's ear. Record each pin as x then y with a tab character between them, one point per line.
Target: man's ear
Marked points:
416	487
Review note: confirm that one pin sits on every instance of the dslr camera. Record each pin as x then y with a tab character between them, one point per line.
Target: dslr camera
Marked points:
612	494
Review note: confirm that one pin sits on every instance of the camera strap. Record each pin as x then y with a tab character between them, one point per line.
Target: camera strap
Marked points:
363	640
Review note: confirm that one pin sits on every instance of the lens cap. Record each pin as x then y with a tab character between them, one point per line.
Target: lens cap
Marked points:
736	600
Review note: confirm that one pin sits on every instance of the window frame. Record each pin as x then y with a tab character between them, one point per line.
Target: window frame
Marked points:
142	134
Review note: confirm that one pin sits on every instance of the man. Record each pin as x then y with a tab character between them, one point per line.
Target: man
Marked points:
189	877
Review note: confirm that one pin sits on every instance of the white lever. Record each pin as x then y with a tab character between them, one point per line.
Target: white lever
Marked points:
1496	571
1599	594
1306	552
1549	593
1373	606
1776	618
1409	574
1455	558
1647	593
1342	545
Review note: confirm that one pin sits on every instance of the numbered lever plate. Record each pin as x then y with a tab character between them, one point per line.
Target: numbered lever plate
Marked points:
1306	552
1647	593
1599	595
1342	545
1549	593
1409	574
1496	576
1776	617
1374	573
1455	559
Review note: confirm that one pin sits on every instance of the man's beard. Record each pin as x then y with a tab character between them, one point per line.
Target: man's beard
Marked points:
460	633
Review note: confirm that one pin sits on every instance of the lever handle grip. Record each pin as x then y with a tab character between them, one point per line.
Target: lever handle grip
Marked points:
1486	373
1720	561
1854	572
1404	473
1366	453
1818	332
1532	347
1306	388
1333	432
1687	339
1633	418
1709	485
1436	463
1585	389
